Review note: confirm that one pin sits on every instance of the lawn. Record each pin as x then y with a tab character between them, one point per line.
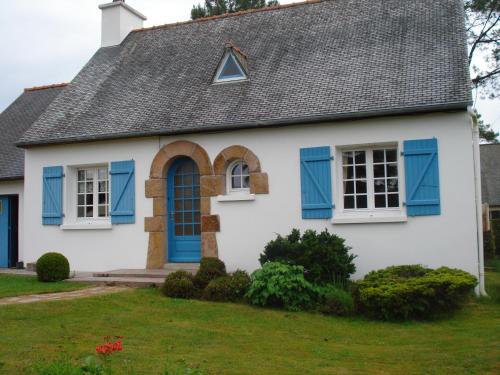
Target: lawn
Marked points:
162	334
11	285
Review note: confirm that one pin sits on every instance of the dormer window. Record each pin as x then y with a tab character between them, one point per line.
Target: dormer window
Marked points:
232	66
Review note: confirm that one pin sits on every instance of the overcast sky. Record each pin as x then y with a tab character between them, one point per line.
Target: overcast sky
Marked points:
49	41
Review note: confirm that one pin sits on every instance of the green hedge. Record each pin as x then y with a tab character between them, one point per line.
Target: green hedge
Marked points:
210	269
412	292
324	256
230	288
179	285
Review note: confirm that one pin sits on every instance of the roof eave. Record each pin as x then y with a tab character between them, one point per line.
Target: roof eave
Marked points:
260	124
11	178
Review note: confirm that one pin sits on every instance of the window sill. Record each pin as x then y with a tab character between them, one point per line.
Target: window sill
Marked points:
87	226
236	197
369	219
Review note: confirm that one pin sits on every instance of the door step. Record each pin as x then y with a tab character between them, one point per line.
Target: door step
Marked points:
188	267
134	277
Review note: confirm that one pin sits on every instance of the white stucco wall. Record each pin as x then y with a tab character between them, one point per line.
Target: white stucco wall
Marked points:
16	188
448	239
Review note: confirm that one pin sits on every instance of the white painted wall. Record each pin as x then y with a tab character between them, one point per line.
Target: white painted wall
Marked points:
118	20
16	188
448	239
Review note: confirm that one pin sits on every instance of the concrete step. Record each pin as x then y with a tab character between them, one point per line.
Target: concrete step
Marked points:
133	282
189	267
131	273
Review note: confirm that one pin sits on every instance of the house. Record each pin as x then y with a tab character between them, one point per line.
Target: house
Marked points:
208	137
14	121
490	181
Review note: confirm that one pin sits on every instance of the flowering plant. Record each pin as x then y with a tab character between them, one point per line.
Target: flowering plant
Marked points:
109	346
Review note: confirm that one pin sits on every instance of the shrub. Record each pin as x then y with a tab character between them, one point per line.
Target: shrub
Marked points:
210	268
229	288
336	301
281	285
324	256
179	285
52	267
412	292
489	244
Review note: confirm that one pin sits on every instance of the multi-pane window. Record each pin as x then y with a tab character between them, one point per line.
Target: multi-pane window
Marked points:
186	213
355	184
240	175
385	178
93	192
370	179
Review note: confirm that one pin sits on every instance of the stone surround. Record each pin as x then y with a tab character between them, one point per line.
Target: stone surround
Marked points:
259	183
212	183
156	190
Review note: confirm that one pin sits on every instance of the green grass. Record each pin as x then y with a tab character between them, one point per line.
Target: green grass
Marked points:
161	333
12	285
492	281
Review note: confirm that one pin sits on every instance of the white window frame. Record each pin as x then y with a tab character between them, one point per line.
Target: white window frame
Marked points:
235	194
223	64
370	214
71	219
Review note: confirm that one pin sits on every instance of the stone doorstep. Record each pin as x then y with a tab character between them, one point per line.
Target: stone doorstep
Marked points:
132	282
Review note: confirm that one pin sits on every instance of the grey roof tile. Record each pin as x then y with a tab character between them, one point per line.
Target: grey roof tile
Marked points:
318	61
14	121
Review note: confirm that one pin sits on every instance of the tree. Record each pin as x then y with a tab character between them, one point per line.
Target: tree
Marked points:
483	34
486	133
217	7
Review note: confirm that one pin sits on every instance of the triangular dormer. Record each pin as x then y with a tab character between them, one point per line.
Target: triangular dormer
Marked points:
232	66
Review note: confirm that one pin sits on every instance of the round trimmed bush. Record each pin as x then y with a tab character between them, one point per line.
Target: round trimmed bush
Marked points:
412	292
52	267
179	285
210	269
229	288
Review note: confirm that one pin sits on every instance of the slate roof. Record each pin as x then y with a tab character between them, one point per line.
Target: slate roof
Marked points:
14	121
316	61
490	173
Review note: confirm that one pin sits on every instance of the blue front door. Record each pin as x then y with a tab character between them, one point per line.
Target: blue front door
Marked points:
4	232
183	216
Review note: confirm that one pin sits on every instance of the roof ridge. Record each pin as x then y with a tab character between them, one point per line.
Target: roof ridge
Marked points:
228	15
53	86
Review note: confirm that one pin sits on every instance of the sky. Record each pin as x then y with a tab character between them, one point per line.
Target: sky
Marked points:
48	41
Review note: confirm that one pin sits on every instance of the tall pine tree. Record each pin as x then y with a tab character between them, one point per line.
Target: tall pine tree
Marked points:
217	7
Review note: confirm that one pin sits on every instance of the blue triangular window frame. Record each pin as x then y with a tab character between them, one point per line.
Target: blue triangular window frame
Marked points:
228	60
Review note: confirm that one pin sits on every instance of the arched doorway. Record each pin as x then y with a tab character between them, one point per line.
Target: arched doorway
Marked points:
183	212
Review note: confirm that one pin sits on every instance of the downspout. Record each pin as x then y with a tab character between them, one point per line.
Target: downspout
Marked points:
479	211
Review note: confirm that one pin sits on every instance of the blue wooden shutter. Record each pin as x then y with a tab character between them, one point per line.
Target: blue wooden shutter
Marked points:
52	196
422	177
122	192
316	182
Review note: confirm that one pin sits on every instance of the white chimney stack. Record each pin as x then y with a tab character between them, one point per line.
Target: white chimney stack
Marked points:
118	20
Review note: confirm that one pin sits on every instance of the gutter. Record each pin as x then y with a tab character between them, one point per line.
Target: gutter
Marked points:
479	212
259	124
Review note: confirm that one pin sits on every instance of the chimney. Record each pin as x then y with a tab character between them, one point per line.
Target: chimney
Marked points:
118	20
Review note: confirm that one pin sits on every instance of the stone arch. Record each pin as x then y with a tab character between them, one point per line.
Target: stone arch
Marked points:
258	181
156	190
